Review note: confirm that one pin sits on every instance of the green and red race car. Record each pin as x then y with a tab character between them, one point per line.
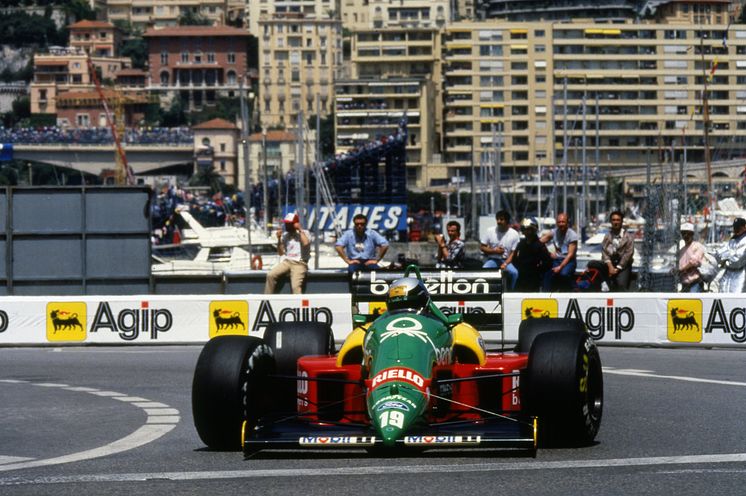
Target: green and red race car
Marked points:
412	378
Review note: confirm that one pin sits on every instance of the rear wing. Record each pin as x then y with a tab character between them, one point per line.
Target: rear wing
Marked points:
477	294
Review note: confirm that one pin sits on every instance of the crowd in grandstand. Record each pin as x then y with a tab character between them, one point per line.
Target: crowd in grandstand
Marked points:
95	136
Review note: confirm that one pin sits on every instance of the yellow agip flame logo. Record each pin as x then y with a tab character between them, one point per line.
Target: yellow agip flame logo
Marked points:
539	308
66	321
685	321
229	318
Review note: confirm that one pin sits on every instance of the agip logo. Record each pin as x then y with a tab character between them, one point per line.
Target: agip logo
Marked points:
685	321
538	308
229	318
66	321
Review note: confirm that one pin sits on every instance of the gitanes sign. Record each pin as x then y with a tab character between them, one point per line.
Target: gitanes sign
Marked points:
381	218
638	319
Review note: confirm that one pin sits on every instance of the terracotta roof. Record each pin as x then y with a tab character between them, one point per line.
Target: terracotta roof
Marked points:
274	135
91	24
215	124
172	31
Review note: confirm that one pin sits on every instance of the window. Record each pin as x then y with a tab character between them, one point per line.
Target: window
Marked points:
231	58
164	58
211	57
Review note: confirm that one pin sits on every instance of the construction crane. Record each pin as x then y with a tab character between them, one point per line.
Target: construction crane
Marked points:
124	174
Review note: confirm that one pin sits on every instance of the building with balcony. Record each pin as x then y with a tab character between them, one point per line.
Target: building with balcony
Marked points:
367	14
197	63
62	70
97	38
257	11
299	60
395	72
611	96
144	14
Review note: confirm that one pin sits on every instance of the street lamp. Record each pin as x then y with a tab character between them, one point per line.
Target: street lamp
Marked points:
245	133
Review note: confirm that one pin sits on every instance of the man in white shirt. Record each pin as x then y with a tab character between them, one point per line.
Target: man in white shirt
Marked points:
497	244
294	248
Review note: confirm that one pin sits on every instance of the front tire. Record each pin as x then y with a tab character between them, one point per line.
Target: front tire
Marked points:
229	387
529	329
563	387
290	341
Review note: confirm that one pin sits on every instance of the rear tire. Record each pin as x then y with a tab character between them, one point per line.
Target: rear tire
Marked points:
530	328
229	387
563	387
290	341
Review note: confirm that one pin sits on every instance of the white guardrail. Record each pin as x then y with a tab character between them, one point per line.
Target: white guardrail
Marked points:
162	319
622	319
639	319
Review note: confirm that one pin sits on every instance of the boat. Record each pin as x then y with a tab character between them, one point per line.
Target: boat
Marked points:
215	250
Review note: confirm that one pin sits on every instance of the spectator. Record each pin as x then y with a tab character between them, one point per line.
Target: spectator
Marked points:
563	246
733	258
530	258
617	249
361	248
294	248
498	243
690	258
451	255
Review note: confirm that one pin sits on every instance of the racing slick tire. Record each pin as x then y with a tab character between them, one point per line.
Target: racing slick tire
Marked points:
563	386
290	341
530	328
230	386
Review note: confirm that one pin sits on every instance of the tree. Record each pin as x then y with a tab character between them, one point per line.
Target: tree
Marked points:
207	176
175	115
190	17
137	50
77	10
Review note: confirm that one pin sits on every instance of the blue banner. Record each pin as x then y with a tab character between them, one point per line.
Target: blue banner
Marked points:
6	152
382	218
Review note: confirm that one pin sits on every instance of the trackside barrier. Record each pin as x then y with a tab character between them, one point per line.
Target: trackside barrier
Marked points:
638	319
151	319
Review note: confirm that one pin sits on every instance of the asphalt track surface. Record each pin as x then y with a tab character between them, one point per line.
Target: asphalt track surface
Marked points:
117	421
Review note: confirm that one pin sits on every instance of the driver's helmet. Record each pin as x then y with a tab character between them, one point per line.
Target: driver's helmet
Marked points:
407	292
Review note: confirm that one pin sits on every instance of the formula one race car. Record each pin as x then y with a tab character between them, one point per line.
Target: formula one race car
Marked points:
414	377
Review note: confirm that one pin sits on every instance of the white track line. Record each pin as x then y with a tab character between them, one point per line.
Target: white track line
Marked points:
378	470
160	420
648	373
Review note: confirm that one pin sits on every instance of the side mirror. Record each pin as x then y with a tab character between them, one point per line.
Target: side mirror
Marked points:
454	319
359	319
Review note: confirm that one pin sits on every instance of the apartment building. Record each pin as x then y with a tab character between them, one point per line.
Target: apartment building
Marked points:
258	10
216	145
367	14
197	63
395	72
300	58
144	14
529	90
97	38
64	69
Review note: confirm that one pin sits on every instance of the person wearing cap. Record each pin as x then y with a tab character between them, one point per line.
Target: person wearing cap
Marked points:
361	248
530	258
732	257
690	258
294	248
617	249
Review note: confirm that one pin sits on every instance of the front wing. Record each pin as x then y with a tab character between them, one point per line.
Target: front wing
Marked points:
484	433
